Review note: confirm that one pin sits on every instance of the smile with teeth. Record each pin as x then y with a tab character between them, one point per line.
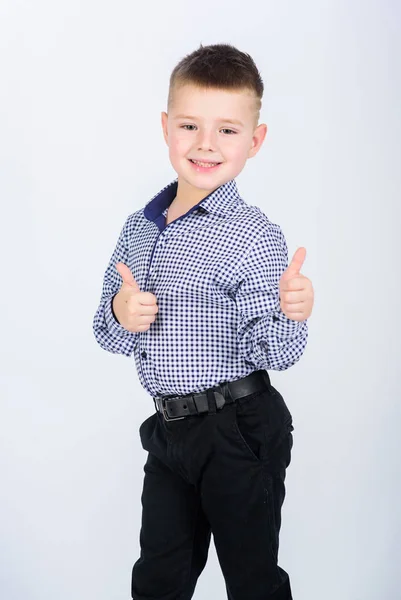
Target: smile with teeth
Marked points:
204	164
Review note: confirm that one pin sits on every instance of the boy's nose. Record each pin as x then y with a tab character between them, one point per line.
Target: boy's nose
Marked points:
206	141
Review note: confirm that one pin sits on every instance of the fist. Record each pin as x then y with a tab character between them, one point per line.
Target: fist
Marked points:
135	310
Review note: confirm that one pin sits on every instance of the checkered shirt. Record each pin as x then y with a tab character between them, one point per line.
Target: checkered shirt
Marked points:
215	273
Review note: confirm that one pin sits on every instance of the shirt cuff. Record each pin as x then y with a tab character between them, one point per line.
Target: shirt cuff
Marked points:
285	327
112	324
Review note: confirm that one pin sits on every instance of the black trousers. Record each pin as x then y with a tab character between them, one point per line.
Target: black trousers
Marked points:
220	473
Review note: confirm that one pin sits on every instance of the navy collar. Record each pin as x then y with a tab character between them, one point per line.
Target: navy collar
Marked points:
220	202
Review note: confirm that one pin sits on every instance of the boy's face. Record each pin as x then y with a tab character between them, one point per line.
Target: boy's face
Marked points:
198	127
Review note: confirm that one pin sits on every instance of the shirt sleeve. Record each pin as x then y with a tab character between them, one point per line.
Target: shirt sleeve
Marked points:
109	334
266	337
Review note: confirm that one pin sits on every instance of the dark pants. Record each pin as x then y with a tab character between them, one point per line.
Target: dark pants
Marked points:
223	473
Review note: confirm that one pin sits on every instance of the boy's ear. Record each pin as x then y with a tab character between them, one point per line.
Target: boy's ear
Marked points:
257	139
164	126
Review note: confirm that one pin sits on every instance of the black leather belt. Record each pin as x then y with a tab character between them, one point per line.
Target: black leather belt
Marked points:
179	407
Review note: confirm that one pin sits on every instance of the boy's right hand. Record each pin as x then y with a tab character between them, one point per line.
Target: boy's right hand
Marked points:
135	310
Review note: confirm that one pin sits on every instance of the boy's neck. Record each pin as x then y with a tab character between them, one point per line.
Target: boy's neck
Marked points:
187	195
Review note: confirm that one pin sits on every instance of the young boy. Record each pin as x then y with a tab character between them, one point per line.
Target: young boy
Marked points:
199	290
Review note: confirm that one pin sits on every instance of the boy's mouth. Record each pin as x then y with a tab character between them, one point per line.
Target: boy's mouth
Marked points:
201	166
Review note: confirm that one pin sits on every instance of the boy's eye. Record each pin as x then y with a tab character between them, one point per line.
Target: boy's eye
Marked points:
224	129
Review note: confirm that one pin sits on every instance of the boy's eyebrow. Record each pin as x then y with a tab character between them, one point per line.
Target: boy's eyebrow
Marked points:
233	121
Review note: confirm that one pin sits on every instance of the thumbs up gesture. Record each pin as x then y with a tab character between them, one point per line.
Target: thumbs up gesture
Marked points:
135	310
296	291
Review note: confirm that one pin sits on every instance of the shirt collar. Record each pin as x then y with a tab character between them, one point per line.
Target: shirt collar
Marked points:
220	202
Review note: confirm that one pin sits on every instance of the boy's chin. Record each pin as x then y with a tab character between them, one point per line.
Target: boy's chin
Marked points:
199	183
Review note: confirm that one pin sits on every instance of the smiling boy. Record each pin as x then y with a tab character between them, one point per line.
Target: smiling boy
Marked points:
209	125
221	308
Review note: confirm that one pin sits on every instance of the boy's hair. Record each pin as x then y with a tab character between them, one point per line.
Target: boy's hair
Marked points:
218	66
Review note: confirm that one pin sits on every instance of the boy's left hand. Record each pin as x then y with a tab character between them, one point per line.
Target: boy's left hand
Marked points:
296	291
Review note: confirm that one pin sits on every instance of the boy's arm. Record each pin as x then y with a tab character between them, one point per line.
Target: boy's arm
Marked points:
109	334
266	337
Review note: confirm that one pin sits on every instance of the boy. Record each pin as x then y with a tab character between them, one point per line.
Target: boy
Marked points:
220	309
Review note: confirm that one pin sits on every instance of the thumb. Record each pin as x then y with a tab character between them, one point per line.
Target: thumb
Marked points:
128	278
296	263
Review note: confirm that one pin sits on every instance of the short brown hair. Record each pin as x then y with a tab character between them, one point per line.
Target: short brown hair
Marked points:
218	66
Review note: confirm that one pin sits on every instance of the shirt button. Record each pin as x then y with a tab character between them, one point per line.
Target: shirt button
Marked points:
144	355
275	318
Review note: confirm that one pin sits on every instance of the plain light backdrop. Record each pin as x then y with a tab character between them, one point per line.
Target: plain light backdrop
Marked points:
82	86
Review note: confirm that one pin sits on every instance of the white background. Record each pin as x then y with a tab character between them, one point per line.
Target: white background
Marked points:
83	84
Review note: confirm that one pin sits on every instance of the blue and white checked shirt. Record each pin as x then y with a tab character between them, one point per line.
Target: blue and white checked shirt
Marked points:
215	273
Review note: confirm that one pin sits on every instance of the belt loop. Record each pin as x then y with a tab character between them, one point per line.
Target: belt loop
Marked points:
266	378
211	401
225	390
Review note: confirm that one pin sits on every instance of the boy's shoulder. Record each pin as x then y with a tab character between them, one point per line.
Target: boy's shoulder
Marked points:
133	220
252	218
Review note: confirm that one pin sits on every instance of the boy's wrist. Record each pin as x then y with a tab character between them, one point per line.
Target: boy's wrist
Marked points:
112	309
112	322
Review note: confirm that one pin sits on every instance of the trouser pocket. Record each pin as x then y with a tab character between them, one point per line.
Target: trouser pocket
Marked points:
263	427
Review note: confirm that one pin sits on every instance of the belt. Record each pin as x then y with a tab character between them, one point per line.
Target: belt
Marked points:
212	399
